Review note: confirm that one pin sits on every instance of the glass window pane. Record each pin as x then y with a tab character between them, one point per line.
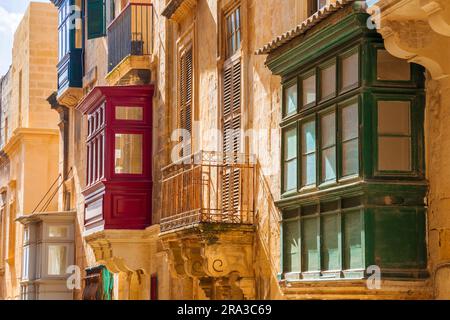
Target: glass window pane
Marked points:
57	231
290	144
350	124
291	99
328	126
329	164
321	3
350	71
309	137
350	158
308	152
394	117
25	262
129	113
57	260
290	175
128	153
353	252
328	81
291	246
394	153
309	90
392	68
309	170
330	232
310	254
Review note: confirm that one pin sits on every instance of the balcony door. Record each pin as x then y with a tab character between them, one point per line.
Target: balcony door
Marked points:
231	117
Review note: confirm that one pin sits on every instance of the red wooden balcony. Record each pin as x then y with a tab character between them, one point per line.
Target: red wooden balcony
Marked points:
208	187
118	167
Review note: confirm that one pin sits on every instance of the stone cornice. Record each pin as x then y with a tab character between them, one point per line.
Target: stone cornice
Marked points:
178	9
22	133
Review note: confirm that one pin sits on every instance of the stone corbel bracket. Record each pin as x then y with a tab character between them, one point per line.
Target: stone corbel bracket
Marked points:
415	41
124	250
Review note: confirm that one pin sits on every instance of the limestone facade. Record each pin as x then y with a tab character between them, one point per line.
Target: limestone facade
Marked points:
29	153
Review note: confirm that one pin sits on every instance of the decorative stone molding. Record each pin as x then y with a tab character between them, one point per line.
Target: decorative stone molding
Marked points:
177	10
221	259
70	97
438	15
416	31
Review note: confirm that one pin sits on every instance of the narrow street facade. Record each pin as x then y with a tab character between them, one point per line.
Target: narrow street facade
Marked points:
225	150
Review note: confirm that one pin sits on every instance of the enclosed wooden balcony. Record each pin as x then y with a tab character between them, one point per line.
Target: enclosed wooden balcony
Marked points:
130	45
208	188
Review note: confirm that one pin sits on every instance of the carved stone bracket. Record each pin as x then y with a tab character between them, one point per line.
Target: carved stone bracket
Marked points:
438	12
222	260
418	32
124	250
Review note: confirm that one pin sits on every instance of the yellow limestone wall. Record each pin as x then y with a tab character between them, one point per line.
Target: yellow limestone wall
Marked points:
262	102
32	145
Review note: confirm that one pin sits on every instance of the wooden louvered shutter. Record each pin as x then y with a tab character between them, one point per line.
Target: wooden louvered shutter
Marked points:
96	19
231	138
185	107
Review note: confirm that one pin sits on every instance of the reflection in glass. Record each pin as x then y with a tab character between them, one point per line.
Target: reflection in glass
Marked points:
128	153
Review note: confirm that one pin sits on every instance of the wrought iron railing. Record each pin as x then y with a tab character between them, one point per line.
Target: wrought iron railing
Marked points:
130	34
208	187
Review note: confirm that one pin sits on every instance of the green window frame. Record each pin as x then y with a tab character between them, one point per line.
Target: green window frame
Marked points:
290	158
324	240
96	19
323	154
347	220
402	135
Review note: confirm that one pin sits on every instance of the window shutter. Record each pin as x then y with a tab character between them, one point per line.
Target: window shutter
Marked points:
96	19
185	111
231	138
232	108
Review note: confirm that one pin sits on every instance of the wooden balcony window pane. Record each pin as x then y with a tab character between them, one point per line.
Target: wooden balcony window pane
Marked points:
329	164
350	71
350	141
291	99
328	145
394	117
129	113
353	252
290	175
349	122
331	252
328	81
128	153
309	137
309	90
310	253
394	153
350	158
290	158
328	127
308	153
58	231
291	144
57	260
291	246
392	68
